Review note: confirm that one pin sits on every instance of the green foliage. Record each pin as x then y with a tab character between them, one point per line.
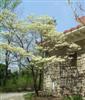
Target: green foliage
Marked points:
28	96
18	82
9	4
73	97
15	4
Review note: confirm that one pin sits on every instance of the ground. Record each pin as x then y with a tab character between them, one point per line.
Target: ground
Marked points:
32	96
46	98
12	96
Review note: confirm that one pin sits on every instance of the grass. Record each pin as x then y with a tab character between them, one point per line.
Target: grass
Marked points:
28	96
73	97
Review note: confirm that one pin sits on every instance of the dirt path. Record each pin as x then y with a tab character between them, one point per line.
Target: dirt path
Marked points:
12	96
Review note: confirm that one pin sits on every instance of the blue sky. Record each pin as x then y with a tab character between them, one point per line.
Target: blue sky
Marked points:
59	9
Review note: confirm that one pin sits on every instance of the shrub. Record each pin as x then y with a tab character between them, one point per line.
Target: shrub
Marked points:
17	83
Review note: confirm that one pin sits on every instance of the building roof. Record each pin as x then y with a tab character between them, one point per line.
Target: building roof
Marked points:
81	20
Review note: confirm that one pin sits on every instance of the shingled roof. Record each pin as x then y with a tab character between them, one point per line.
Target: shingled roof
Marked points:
81	20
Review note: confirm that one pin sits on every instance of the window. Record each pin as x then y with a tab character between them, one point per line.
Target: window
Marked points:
74	59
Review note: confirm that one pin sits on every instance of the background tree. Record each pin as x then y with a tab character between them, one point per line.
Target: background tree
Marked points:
78	7
11	27
9	4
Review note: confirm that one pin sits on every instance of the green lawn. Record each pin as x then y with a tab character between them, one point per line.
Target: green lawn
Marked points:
28	96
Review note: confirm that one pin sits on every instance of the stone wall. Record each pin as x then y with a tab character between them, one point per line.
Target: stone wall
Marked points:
81	68
51	78
63	78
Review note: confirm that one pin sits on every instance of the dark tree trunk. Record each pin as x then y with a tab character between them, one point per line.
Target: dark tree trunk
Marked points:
40	80
35	76
34	80
6	68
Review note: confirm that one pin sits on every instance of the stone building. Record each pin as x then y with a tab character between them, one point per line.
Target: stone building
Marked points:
66	78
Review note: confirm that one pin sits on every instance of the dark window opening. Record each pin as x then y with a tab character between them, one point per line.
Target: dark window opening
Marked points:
73	59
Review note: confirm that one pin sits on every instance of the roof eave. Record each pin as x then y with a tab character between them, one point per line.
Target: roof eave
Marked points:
76	35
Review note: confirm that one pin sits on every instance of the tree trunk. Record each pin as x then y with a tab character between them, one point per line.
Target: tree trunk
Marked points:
40	80
6	68
35	76
34	80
